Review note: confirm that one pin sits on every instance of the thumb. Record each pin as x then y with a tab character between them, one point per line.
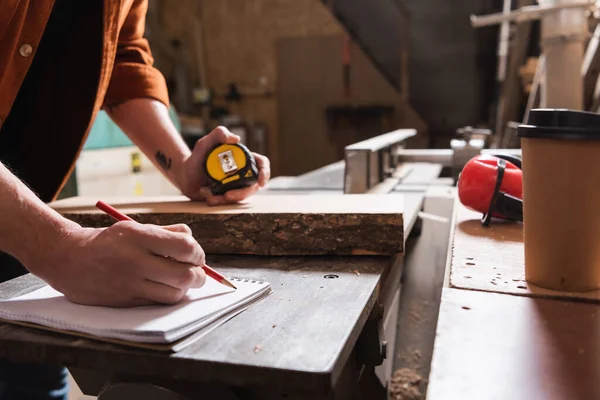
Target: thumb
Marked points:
221	135
178	228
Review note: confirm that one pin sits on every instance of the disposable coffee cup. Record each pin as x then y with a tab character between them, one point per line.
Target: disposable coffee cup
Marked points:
561	199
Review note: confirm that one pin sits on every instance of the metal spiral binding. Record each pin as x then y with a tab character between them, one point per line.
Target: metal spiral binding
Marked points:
246	279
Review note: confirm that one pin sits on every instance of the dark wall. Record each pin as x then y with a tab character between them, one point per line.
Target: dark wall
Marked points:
452	65
310	81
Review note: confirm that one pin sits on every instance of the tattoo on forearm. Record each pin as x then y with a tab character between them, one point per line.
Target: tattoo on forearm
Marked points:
163	161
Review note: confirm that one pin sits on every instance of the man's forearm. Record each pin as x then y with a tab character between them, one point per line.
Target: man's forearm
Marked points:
29	228
147	123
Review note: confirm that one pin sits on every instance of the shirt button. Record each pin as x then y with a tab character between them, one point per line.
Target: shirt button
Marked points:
26	50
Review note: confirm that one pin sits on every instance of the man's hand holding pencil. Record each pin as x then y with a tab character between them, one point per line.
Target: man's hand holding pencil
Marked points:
126	264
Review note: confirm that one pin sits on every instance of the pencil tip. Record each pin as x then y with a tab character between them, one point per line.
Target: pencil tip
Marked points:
227	283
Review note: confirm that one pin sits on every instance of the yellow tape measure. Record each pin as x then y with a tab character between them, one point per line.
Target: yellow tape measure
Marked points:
230	166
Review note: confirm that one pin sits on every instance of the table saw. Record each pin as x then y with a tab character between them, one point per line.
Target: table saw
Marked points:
335	344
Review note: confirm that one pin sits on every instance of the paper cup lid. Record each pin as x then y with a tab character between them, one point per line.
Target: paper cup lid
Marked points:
547	123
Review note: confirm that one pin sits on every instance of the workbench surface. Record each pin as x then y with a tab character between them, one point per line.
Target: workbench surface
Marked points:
492	259
298	339
499	337
329	177
499	347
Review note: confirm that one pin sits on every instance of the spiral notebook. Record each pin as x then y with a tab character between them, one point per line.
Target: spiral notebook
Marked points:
160	327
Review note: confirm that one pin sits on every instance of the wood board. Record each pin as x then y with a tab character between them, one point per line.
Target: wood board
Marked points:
496	347
266	225
492	259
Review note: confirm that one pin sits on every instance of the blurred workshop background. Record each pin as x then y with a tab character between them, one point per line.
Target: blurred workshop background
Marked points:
301	79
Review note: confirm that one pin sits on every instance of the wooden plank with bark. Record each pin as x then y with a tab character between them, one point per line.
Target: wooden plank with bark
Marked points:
267	225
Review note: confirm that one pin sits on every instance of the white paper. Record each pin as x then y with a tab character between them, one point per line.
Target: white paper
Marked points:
156	323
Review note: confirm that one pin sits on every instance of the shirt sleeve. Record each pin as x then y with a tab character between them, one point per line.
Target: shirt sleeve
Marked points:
134	75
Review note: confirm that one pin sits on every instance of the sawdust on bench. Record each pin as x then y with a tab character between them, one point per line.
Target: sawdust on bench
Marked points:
405	385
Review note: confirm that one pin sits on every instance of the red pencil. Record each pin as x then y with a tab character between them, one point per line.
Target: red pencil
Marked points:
113	212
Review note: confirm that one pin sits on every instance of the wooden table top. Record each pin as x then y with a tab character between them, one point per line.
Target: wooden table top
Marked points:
297	339
499	337
492	259
499	347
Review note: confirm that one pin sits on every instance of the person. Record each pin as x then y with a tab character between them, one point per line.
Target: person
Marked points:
61	61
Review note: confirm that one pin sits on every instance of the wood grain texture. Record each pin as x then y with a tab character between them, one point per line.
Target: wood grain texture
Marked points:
492	259
298	339
497	347
267	225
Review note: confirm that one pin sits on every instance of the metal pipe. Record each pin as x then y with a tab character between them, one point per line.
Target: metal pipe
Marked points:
435	156
525	13
442	156
563	36
503	39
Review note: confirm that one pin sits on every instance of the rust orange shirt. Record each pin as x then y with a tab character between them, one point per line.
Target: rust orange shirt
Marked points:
101	58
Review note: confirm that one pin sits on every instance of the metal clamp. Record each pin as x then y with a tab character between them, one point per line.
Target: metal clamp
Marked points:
463	149
370	349
560	39
371	161
468	133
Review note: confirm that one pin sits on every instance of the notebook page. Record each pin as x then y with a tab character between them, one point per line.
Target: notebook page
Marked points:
48	307
205	325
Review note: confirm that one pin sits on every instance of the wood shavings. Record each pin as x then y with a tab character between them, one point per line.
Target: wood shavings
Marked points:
405	385
356	272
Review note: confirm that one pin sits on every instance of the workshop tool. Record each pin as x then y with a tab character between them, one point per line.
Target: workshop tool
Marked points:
369	163
493	186
113	212
230	166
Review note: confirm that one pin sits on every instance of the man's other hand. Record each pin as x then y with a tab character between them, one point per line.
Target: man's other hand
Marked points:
196	183
126	264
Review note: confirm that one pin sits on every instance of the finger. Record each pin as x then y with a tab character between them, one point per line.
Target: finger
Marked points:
135	302
200	278
180	246
159	293
211	199
219	135
198	196
264	169
230	197
180	228
216	201
236	195
172	273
